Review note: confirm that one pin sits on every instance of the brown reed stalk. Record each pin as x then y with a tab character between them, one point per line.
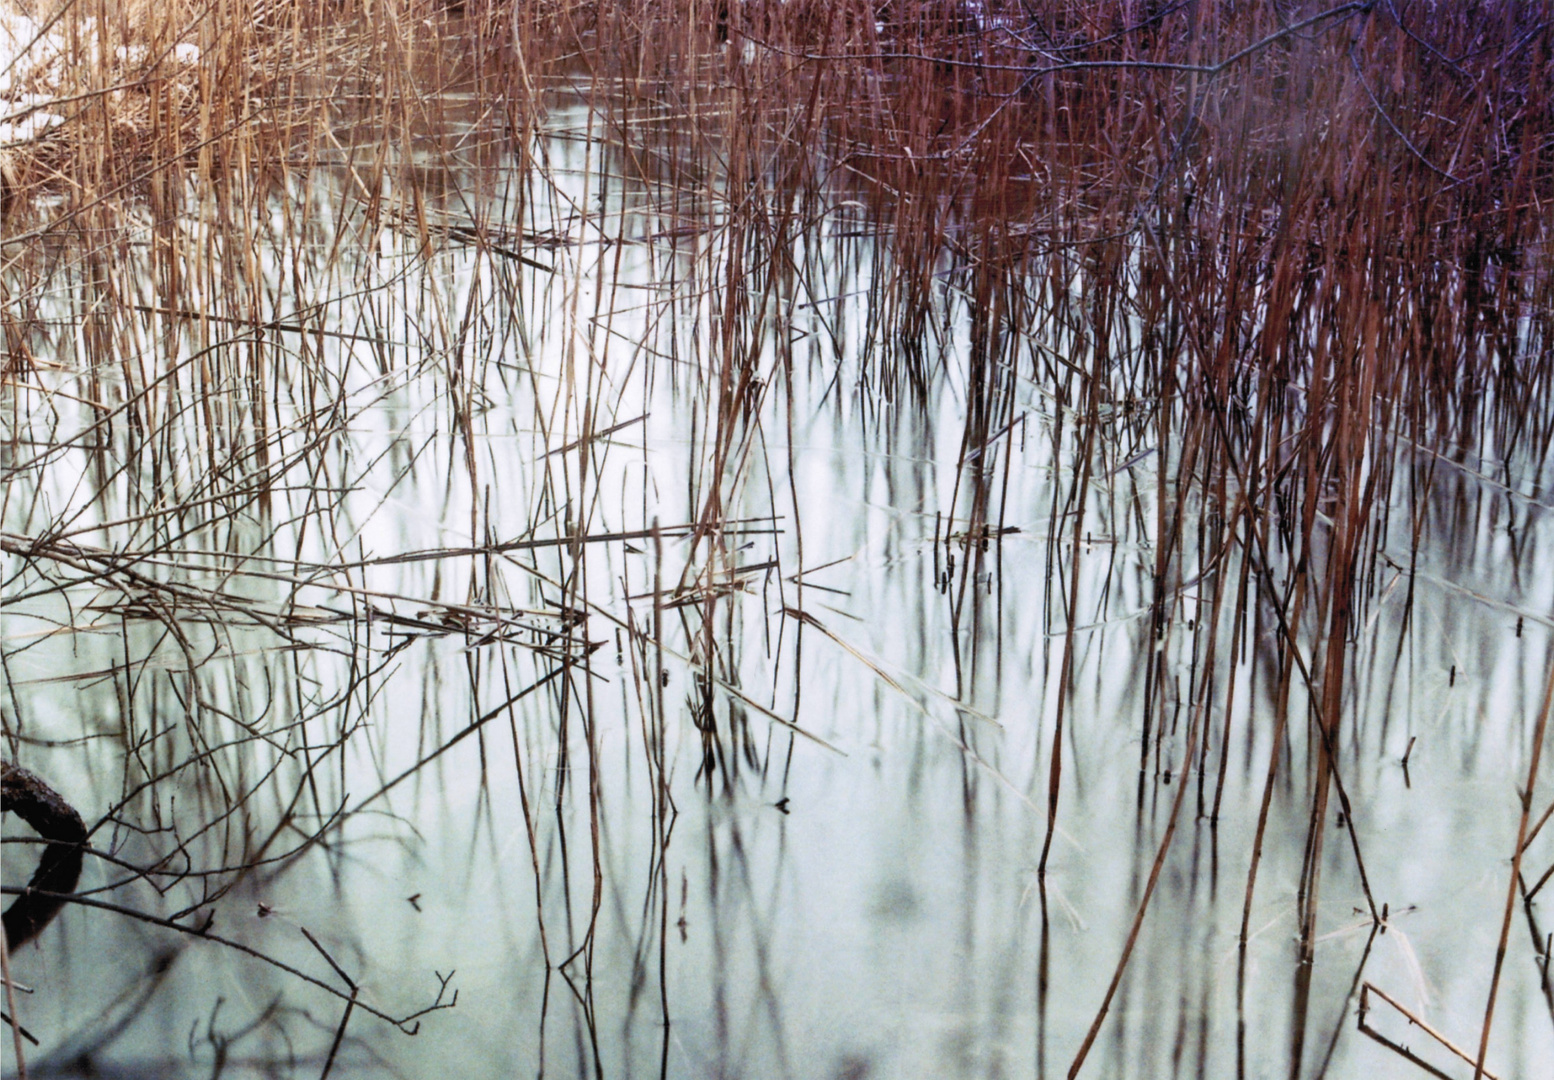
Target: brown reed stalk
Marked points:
1540	729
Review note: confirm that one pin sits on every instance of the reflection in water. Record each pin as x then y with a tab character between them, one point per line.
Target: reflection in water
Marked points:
699	719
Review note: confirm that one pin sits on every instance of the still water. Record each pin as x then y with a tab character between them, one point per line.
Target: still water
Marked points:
787	820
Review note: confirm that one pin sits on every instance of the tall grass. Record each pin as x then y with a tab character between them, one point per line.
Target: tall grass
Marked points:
1279	274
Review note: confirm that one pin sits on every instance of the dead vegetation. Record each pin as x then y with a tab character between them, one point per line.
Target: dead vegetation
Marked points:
1271	284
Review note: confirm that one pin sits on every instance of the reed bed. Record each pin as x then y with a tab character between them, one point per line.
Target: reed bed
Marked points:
1267	287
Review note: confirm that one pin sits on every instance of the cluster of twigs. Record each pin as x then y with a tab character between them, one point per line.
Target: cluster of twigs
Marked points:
1268	279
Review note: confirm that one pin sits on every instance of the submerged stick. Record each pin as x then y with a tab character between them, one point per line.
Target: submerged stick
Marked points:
51	817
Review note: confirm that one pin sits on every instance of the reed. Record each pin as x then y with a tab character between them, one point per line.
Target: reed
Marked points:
1273	271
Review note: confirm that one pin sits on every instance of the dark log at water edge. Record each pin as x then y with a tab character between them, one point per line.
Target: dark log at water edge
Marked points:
55	820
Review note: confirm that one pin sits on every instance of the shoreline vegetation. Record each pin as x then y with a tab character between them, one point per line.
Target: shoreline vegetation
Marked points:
1276	275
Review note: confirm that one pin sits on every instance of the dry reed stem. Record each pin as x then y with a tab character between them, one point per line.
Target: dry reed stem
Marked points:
14	1019
1526	793
1279	256
1366	989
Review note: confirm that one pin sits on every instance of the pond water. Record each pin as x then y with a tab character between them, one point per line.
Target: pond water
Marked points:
526	606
